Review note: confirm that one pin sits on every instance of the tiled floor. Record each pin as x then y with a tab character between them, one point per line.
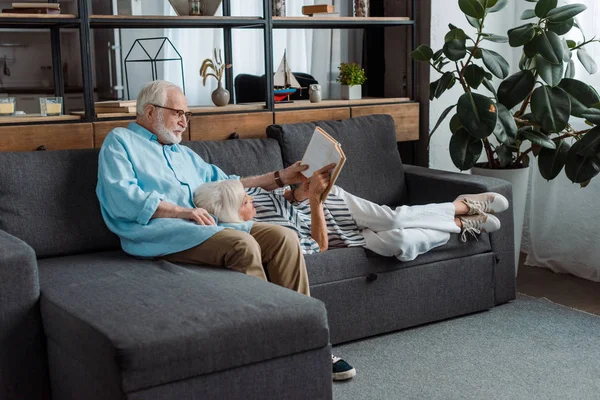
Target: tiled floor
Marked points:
564	289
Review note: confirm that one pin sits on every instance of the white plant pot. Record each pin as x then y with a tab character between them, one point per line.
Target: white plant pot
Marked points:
351	92
519	178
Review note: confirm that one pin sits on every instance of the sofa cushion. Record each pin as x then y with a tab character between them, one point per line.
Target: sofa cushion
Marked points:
243	157
339	264
140	323
373	169
48	199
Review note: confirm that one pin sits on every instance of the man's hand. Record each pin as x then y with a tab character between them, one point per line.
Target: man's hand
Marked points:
319	182
197	215
293	173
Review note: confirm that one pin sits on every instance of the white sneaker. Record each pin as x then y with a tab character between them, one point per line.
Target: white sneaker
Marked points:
477	224
490	203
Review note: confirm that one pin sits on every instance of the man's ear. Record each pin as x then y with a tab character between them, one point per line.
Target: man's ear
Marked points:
150	112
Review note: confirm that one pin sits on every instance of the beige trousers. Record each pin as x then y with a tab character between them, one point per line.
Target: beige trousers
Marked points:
269	252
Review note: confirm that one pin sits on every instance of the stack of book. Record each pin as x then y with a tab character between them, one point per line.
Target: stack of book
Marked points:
33	8
319	10
115	107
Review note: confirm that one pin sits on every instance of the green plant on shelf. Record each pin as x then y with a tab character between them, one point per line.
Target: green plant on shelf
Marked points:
532	106
351	74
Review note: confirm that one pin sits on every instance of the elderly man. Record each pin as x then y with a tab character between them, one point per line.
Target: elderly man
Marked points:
145	187
146	183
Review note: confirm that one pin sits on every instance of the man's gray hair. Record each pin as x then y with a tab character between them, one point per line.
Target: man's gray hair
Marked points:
154	92
222	199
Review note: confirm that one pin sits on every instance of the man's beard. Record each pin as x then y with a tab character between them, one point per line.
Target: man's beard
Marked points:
167	136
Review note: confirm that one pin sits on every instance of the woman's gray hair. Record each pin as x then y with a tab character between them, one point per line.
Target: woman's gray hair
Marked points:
222	199
154	92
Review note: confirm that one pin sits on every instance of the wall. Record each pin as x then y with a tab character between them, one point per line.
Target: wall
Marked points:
444	12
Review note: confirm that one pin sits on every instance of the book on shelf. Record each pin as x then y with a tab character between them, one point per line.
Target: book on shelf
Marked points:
323	150
54	6
114	110
317	9
30	11
115	103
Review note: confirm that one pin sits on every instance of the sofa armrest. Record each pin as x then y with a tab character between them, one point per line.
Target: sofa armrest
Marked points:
427	185
23	362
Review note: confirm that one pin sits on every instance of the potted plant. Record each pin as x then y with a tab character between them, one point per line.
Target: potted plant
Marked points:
530	112
351	76
216	68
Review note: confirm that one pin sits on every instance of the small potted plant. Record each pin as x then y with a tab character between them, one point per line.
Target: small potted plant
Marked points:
352	76
216	68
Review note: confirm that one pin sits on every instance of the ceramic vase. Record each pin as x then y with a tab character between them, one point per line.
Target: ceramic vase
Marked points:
279	8
351	92
220	96
314	93
361	8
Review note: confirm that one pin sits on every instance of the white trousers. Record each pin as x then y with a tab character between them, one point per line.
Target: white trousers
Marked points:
405	232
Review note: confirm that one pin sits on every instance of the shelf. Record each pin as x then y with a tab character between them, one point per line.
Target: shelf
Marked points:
231	108
37	118
38	20
302	104
160	21
338	22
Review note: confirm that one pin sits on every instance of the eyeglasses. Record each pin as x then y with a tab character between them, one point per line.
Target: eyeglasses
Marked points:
180	113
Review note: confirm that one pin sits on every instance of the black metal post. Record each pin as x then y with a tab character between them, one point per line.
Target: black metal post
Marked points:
57	71
268	34
413	30
86	60
228	40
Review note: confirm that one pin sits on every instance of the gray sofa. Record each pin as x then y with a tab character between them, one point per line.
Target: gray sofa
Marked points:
80	319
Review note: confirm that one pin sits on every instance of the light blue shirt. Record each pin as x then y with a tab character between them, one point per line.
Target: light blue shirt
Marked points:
136	172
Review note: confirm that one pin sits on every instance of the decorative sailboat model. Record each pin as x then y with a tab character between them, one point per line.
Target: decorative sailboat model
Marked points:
284	81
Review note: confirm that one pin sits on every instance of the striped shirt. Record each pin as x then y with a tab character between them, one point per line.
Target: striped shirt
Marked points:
273	208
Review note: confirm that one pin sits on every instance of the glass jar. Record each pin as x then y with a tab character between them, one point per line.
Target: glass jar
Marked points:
196	7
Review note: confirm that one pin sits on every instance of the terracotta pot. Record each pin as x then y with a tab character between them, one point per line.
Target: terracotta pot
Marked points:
220	96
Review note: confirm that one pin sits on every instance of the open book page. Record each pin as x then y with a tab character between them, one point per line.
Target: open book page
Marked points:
323	150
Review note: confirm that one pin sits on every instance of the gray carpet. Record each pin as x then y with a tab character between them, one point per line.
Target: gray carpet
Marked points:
527	349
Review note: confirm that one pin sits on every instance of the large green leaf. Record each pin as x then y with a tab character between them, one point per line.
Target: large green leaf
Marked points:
521	35
455	124
549	46
437	54
588	62
544	6
464	149
580	169
472	8
422	53
494	38
561	28
474	22
444	84
495	63
536	137
474	75
550	73
488	85
505	154
442	117
589	145
564	13
551	107
530	49
570	71
514	89
528	14
506	127
592	115
488	3
551	162
582	96
478	114
500	5
455	47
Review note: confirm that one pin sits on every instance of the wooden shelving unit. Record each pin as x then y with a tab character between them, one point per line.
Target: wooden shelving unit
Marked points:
37	118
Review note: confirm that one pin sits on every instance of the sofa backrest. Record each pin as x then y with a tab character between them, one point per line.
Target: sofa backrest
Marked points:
48	199
373	168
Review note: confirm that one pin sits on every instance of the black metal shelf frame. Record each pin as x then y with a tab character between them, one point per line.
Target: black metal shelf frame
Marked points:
86	22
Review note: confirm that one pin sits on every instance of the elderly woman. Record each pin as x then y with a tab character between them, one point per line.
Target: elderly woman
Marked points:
345	220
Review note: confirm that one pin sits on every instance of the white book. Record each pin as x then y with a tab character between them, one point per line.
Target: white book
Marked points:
54	6
323	150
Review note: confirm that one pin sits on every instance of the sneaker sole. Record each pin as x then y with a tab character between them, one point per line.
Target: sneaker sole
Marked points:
342	376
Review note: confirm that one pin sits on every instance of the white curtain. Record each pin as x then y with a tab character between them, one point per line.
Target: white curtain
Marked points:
317	52
561	228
